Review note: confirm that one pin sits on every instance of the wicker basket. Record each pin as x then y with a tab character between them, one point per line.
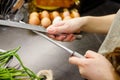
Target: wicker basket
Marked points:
55	3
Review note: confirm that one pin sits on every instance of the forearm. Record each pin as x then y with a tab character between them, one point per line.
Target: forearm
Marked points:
98	24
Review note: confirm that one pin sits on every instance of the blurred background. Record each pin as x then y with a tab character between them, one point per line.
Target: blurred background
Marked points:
97	7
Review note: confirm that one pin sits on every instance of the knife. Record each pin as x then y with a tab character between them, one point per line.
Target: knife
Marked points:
30	27
22	25
71	52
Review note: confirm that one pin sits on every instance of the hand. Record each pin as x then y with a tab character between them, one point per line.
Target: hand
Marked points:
65	29
94	67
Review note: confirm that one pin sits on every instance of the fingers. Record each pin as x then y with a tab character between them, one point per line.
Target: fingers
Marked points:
61	31
57	28
63	37
69	37
81	61
77	61
91	54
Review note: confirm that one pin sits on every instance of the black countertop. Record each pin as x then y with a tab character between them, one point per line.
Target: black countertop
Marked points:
39	54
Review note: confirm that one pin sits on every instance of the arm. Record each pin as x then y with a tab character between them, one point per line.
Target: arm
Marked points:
89	24
98	24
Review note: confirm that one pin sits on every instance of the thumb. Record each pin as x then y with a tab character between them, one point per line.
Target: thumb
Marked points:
76	60
91	54
57	28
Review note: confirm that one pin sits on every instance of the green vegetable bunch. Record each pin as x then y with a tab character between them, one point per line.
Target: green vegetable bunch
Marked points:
11	73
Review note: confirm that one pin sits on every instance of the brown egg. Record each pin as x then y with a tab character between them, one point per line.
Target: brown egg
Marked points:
65	13
34	14
45	22
67	18
54	14
44	14
34	20
75	14
56	20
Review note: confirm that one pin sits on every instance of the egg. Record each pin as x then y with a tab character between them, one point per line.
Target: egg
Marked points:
34	14
44	14
45	22
56	20
34	20
66	13
54	14
75	13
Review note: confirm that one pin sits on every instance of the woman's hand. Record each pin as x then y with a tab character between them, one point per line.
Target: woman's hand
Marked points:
63	30
90	24
94	67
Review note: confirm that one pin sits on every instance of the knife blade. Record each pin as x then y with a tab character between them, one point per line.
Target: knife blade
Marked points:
30	27
22	25
71	52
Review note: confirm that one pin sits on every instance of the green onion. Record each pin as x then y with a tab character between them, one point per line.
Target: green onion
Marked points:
11	73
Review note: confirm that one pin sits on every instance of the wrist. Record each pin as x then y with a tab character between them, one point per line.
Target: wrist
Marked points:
80	23
85	20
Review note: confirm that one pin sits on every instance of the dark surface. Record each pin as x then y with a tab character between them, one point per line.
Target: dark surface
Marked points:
108	7
39	54
116	1
87	5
